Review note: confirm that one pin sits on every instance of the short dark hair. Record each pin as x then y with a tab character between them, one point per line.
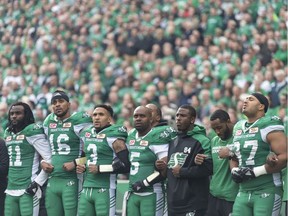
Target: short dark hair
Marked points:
191	109
28	115
220	114
262	99
106	107
159	112
59	94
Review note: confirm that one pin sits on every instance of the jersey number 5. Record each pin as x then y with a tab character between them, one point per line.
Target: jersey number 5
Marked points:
134	165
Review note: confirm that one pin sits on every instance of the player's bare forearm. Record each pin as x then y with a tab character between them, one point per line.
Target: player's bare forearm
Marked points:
233	163
276	163
278	144
119	145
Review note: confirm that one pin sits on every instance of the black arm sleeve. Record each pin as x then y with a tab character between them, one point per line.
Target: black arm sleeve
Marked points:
122	157
4	159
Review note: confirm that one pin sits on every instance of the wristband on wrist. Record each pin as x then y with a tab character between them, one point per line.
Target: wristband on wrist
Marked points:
105	168
80	161
152	179
234	169
260	170
231	155
145	182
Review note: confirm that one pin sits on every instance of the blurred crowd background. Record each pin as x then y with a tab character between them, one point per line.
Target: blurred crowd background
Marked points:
207	53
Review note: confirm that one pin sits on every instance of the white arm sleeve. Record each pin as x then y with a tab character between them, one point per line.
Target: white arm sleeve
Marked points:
160	150
42	146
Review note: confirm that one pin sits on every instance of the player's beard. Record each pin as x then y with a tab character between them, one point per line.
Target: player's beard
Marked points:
60	115
19	126
227	133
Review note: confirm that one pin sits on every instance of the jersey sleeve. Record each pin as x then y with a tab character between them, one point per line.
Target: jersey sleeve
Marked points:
271	124
115	132
160	150
38	139
81	120
160	142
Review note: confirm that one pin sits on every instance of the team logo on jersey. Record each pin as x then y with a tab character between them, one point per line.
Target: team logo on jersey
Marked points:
144	143
101	136
85	115
275	118
238	132
9	138
131	142
122	129
20	137
253	130
87	134
37	126
52	125
177	158
164	134
67	125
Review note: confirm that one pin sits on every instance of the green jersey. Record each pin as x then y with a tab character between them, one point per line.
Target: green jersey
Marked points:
144	151
221	172
99	150
63	136
24	148
251	149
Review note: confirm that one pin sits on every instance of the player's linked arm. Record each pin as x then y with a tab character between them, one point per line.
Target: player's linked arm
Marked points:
120	164
275	162
193	170
155	177
278	160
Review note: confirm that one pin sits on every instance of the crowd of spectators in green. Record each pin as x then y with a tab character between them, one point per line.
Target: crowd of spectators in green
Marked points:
207	53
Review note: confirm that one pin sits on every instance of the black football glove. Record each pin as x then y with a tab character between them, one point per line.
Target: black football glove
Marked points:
242	174
117	164
247	173
236	175
138	186
32	188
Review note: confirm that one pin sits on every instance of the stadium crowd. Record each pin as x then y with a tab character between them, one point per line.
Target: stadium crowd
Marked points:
127	53
208	54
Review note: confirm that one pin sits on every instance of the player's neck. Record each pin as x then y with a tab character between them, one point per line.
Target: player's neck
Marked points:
143	133
252	119
62	118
